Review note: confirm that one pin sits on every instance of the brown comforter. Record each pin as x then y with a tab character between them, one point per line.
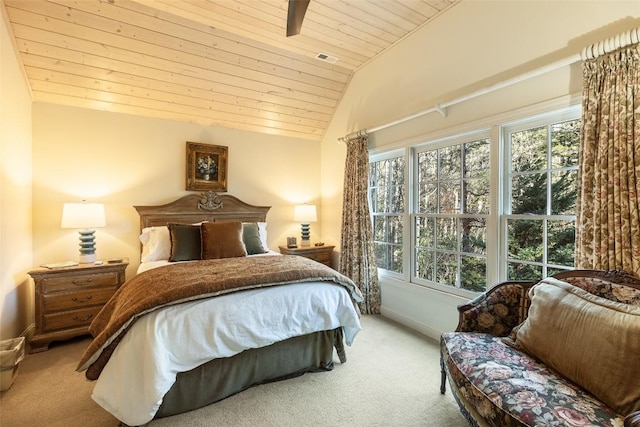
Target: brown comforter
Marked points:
177	283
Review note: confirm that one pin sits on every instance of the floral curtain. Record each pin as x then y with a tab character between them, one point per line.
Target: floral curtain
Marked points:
357	257
608	214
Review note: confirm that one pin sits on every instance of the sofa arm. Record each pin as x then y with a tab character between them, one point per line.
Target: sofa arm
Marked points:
496	311
632	420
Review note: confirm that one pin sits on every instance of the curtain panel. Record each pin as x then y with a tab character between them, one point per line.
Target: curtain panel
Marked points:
608	216
357	256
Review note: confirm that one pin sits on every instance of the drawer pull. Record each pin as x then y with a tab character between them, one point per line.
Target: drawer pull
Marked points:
82	282
82	319
76	299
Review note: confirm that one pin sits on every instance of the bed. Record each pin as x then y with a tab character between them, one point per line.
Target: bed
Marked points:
213	327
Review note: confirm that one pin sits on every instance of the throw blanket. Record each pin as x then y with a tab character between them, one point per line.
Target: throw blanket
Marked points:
183	282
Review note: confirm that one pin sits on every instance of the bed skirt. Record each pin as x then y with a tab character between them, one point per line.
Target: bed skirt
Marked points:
221	378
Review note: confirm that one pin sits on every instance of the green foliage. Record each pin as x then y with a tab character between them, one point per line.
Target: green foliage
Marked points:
530	174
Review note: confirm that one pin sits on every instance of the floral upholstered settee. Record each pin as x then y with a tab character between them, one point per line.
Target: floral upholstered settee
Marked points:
564	351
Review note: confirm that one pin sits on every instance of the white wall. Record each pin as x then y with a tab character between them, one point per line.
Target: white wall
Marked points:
476	44
16	292
125	161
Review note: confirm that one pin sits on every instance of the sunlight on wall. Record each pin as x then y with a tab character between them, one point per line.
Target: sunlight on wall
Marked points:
125	161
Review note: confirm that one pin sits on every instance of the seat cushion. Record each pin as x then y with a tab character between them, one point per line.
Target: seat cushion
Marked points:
509	388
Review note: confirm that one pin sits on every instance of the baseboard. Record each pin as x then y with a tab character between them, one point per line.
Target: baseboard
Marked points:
417	326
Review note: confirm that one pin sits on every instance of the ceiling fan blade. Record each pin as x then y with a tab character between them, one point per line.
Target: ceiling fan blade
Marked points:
295	15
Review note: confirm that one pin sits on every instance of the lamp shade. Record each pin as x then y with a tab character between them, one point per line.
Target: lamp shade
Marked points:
83	215
305	214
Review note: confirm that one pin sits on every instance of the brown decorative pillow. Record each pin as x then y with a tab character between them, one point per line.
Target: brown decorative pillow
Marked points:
185	242
591	340
222	240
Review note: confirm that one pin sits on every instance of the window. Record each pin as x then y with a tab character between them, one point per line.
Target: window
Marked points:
539	220
387	199
452	206
441	231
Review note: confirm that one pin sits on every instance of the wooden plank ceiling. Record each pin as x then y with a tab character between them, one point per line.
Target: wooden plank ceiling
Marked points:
222	63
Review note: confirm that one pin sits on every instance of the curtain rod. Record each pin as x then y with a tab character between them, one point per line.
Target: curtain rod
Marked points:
611	44
589	52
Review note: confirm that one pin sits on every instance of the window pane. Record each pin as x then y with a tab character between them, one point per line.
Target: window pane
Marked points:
450	162
387	198
446	268
561	238
428	197
449	197
476	196
397	171
424	232
565	139
447	234
424	264
474	235
543	183
428	166
383	173
397	199
525	239
382	255
395	259
473	273
529	150
518	271
476	159
529	194
379	228
443	191
395	230
380	202
564	192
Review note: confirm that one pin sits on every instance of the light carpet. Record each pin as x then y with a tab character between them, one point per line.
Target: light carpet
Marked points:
391	378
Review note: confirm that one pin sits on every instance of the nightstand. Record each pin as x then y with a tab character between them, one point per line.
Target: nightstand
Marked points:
67	299
322	254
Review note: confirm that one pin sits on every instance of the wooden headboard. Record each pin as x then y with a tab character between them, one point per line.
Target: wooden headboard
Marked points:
206	206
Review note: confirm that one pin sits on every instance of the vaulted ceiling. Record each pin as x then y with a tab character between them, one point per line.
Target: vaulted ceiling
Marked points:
222	63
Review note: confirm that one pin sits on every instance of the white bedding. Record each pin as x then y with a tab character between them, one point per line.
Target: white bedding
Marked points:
179	338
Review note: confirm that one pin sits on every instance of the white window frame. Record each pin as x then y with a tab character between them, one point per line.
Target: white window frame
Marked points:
522	125
405	230
413	214
494	130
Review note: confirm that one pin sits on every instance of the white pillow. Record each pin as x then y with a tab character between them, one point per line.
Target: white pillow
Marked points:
156	244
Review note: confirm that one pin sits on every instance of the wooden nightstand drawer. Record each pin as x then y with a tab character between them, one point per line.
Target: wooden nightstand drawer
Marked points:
75	300
323	257
68	299
69	319
321	254
78	281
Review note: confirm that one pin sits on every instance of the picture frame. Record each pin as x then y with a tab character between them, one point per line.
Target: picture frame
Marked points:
206	167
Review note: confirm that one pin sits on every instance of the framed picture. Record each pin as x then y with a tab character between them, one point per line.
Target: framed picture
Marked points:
206	167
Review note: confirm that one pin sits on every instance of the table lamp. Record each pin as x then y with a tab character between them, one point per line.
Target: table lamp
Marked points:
305	214
84	216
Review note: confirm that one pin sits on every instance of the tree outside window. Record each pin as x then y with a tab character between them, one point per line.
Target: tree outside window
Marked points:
540	219
451	215
387	198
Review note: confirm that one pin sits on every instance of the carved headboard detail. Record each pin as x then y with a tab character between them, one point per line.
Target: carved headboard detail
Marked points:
206	206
